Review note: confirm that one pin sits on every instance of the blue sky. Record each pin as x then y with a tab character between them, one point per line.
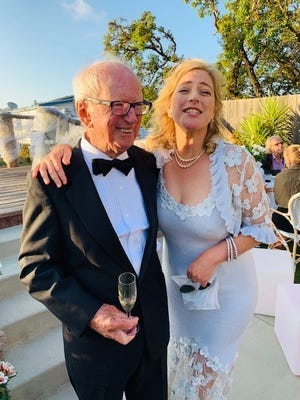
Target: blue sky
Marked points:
45	43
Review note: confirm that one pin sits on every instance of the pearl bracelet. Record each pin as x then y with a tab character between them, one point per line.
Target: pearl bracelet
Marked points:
232	251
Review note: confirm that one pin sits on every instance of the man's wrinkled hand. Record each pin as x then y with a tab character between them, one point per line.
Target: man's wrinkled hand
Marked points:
113	324
50	167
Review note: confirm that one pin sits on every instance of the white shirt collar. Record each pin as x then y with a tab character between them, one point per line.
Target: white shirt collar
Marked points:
89	152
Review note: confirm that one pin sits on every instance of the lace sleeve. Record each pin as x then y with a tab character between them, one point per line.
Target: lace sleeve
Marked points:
162	157
250	201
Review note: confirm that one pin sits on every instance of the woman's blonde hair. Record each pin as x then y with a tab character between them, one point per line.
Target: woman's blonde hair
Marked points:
291	155
163	128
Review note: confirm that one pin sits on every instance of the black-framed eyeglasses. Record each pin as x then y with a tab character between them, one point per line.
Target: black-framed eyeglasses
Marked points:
121	108
191	288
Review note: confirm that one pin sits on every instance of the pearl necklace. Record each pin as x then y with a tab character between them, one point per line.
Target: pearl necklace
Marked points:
188	161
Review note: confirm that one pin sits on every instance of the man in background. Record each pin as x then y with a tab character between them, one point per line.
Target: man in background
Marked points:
273	161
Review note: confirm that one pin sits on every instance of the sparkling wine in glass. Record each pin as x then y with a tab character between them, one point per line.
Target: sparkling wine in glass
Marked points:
127	293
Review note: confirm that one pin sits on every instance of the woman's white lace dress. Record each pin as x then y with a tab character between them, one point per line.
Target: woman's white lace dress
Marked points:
204	343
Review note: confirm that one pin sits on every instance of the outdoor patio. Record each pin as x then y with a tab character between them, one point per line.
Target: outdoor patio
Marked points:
261	371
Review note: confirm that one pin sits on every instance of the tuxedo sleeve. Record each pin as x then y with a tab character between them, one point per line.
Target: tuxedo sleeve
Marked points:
42	260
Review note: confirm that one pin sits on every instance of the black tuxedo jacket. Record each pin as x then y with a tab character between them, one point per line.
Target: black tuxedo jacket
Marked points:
70	259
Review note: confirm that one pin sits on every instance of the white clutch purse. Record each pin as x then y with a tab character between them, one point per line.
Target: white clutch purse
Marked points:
195	299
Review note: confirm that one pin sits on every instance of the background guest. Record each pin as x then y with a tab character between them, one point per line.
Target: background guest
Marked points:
287	183
273	161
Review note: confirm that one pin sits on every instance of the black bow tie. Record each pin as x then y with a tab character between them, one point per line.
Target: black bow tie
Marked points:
102	166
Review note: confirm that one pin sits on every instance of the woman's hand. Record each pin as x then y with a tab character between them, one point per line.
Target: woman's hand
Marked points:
203	267
51	165
200	271
268	189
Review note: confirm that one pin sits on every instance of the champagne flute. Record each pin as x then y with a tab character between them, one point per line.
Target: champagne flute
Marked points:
127	292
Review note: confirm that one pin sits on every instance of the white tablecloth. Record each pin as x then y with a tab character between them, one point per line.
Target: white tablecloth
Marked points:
269	181
272	268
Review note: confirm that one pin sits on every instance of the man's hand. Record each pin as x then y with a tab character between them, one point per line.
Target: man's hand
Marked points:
113	324
51	165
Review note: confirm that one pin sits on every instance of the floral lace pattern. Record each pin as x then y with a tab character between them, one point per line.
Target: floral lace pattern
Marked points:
237	192
193	375
236	203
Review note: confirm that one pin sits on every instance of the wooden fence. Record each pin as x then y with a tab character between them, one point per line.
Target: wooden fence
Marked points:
235	111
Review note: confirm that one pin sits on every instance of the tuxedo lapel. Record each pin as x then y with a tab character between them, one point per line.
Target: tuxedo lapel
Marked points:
147	180
84	199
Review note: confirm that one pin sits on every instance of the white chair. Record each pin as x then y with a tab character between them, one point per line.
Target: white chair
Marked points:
293	217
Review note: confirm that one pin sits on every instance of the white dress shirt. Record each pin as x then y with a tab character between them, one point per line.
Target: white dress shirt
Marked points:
123	202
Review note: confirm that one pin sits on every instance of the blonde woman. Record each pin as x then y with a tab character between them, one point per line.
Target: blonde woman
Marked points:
212	209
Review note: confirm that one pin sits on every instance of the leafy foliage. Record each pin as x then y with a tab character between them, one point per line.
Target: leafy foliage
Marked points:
260	41
274	119
257	151
149	49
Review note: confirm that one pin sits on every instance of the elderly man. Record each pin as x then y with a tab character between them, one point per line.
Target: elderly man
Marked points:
79	238
273	161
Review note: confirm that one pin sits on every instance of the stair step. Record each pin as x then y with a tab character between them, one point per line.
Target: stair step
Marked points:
9	280
23	318
65	392
34	334
40	367
10	241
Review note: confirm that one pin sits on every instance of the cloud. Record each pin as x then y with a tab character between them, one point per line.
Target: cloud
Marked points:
81	10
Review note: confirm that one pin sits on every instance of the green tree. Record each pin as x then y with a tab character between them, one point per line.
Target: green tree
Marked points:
261	44
149	49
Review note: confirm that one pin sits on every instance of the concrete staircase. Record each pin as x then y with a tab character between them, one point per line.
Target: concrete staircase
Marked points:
34	335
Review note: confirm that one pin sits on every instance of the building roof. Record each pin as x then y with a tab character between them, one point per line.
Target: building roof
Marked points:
60	100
